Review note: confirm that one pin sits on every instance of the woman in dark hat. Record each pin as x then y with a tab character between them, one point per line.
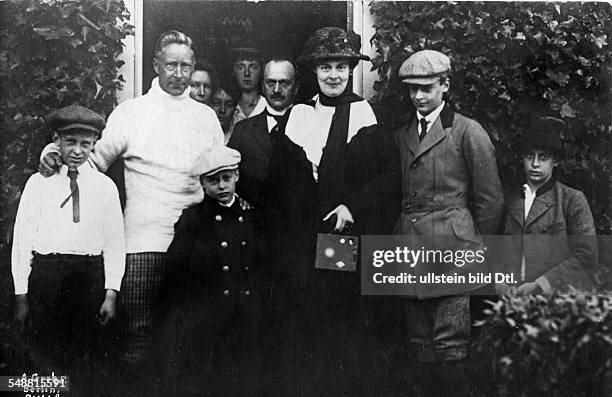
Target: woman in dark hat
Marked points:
555	246
332	171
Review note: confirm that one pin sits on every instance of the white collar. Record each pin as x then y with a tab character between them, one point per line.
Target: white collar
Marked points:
431	117
158	91
230	203
82	169
528	191
276	112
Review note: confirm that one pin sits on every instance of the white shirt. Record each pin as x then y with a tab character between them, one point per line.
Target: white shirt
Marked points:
259	107
431	117
42	226
541	281
308	127
271	120
159	136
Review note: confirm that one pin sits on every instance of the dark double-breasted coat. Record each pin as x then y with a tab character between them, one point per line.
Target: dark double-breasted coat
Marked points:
557	238
252	139
210	303
451	192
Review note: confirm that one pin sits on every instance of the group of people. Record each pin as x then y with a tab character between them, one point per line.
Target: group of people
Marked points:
209	272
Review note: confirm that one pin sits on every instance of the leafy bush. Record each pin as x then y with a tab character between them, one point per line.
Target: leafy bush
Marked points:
53	53
557	346
512	62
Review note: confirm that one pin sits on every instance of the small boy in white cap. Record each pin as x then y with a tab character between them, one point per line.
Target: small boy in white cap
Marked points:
210	306
68	255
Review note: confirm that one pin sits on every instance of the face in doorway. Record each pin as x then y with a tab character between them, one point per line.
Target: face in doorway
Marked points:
428	97
220	186
75	146
174	65
538	166
224	105
279	85
332	76
247	73
201	86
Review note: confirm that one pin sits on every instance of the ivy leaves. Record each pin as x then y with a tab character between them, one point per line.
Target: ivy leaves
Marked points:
53	53
513	62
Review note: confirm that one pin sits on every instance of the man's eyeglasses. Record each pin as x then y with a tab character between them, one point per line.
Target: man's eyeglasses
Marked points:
173	66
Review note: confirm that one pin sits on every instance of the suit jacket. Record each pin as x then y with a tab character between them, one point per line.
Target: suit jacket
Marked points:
450	191
252	139
557	238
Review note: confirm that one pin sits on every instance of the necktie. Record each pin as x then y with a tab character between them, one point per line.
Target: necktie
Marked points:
423	124
74	193
281	122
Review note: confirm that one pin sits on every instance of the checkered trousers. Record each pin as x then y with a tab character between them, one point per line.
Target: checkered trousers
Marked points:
139	289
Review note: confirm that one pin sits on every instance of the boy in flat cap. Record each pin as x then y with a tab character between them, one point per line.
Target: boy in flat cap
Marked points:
210	300
68	254
451	195
557	245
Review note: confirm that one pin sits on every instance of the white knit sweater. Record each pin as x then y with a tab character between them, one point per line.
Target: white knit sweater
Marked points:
159	136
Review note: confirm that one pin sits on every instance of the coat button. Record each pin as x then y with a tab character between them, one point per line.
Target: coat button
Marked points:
218	218
226	292
243	243
224	244
413	193
246	268
226	268
413	166
240	219
247	292
414	220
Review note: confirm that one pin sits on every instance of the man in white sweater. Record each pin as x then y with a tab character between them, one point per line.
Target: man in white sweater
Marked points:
159	135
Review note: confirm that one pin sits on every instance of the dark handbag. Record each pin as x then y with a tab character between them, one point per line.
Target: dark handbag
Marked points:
337	252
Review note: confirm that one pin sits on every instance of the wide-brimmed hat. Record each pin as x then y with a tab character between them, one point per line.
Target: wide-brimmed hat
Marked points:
332	42
544	134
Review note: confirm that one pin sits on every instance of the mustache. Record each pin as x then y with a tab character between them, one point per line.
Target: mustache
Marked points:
277	96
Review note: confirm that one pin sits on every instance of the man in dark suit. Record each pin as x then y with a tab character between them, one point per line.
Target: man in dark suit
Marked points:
252	137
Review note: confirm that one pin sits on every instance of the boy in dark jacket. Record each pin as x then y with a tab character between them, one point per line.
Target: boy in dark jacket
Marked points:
211	307
555	244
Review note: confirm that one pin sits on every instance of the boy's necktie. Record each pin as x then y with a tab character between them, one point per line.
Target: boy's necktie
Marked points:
423	123
74	193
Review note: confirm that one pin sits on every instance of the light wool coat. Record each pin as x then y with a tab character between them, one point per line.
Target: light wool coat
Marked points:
451	193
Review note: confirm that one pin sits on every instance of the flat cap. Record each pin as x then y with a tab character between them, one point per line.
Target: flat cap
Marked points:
216	159
544	134
75	117
424	67
239	53
332	42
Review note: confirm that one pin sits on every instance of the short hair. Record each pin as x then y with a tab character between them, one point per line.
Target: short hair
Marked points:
282	58
230	87
206	67
172	37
